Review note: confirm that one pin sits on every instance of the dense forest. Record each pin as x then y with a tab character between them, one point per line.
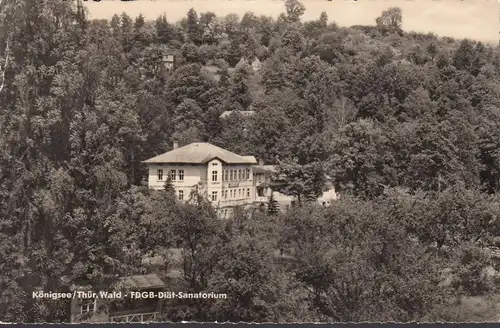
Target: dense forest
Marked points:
407	125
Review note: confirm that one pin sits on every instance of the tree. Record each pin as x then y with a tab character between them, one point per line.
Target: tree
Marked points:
126	32
248	21
454	217
231	26
194	29
390	20
314	29
169	187
272	206
197	231
265	30
238	90
293	40
233	53
163	30
354	262
190	53
261	290
294	10
190	82
207	18
362	161
188	122
78	170
305	181
268	127
273	74
467	58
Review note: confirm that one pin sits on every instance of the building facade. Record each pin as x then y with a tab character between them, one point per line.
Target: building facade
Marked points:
227	179
104	304
169	61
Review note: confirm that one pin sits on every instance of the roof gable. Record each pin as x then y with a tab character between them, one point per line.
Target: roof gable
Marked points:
200	153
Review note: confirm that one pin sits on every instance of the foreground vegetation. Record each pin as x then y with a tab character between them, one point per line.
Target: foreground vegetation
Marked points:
406	125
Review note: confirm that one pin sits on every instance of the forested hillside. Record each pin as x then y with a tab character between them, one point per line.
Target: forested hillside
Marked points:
407	125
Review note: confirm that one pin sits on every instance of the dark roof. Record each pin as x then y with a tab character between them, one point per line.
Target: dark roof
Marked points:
264	169
173	274
134	282
143	281
201	153
237	112
212	69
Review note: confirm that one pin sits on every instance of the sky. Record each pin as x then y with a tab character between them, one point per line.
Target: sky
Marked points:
473	19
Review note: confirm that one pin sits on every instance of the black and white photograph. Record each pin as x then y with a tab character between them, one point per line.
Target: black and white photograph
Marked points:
259	161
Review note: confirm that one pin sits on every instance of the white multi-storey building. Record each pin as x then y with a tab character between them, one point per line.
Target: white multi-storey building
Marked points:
224	177
227	179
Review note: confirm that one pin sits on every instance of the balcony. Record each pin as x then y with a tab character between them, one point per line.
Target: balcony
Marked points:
262	199
137	317
235	202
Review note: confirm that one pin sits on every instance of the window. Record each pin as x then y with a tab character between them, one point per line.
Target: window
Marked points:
172	175
231	193
88	305
230	175
160	174
181	175
239	192
215	164
248	174
225	194
181	194
214	196
214	175
239	175
225	174
248	192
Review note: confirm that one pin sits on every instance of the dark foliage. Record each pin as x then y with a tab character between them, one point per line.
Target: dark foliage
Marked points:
406	125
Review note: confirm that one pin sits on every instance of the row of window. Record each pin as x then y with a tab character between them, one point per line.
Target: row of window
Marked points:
173	175
232	193
227	175
232	175
87	305
236	175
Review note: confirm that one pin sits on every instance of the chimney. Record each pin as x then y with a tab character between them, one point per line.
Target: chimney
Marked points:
261	162
176	144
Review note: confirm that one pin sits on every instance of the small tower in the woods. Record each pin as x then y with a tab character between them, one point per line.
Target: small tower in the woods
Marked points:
169	61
